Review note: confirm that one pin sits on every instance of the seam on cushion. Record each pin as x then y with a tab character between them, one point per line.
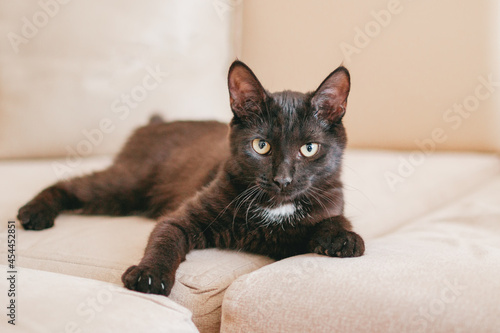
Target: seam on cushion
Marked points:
473	189
206	289
218	307
250	263
221	291
195	290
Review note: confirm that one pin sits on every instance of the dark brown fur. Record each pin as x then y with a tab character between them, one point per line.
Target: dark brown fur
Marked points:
208	188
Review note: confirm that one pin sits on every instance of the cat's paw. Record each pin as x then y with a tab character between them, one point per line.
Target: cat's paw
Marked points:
343	244
36	215
150	280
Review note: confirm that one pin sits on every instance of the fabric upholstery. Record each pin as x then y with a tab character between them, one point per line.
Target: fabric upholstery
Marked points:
436	274
377	204
49	302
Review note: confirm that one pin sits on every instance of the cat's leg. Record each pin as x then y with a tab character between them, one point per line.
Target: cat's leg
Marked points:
114	191
170	241
197	224
333	237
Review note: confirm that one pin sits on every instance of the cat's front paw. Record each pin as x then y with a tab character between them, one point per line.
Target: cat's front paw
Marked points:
36	215
343	244
150	280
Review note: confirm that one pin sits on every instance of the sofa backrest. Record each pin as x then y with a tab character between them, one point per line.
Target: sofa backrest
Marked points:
425	74
77	76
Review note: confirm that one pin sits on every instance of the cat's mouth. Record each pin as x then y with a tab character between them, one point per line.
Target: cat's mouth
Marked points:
278	196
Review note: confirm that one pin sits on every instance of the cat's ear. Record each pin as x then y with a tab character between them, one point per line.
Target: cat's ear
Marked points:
329	101
246	94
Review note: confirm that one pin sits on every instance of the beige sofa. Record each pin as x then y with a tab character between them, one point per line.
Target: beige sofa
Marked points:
430	219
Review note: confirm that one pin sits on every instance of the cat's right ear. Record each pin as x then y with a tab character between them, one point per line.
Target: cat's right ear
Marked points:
246	94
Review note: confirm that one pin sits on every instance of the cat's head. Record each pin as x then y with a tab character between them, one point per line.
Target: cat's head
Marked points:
288	143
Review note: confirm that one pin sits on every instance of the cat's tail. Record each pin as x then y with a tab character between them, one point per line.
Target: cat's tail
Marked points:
156	119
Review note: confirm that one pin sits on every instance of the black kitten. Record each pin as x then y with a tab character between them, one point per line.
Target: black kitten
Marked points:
269	183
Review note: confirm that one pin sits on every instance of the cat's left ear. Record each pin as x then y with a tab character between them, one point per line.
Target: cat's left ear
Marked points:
329	101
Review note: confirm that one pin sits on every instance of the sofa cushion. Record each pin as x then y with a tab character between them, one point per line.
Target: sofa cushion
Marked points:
102	248
437	274
49	302
386	189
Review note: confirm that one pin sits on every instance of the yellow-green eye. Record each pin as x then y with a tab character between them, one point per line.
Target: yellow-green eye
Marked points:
309	149
261	146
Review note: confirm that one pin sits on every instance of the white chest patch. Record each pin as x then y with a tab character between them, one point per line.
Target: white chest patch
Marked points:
287	213
280	212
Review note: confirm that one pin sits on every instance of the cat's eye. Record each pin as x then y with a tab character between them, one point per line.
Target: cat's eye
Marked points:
261	146
309	149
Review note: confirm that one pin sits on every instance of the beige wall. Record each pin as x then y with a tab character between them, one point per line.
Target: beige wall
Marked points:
406	77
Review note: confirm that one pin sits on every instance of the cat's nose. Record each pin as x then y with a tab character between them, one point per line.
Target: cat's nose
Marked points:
282	182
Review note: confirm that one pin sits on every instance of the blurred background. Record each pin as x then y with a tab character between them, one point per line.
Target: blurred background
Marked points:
77	76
